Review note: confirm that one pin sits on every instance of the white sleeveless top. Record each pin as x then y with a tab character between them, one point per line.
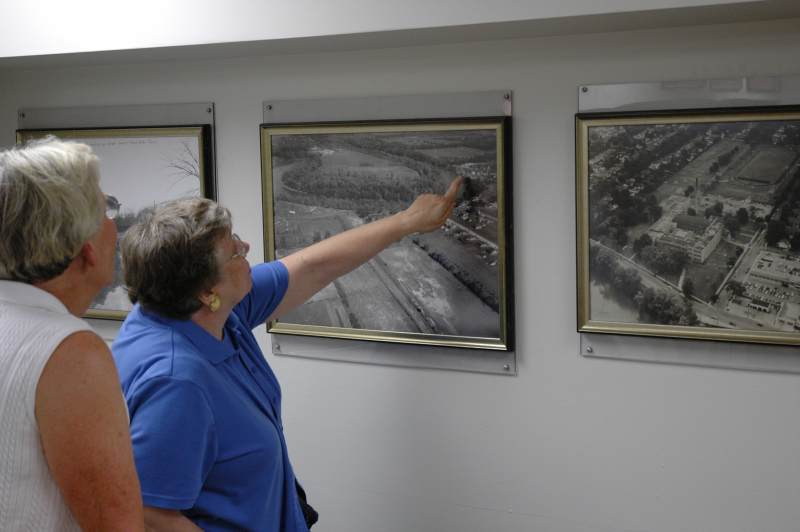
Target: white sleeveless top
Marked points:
32	324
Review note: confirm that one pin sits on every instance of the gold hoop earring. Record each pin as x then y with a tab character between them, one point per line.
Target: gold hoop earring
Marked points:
214	303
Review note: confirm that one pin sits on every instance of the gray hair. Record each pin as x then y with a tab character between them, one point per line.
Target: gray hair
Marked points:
170	257
49	207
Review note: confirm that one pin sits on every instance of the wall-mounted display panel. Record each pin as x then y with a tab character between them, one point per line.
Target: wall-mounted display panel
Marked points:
141	167
689	223
452	287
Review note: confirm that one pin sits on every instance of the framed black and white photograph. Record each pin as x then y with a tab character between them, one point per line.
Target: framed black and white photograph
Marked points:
140	168
451	287
688	224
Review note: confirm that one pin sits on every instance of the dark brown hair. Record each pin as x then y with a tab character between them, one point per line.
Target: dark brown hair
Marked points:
169	257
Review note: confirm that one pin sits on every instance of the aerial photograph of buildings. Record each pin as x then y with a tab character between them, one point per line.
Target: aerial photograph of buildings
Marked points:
696	223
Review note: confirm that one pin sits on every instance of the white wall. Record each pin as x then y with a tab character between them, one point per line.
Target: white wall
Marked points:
569	445
36	27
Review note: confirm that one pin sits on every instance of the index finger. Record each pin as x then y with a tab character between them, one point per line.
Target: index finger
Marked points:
452	191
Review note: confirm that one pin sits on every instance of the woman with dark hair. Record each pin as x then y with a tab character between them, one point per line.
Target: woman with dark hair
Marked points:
66	460
205	406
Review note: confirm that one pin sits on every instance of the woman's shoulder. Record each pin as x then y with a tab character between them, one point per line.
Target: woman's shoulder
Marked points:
156	352
32	334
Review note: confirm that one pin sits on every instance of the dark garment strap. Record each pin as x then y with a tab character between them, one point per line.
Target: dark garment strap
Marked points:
311	515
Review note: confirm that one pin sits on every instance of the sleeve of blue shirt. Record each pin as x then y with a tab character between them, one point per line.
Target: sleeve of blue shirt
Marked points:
174	441
270	281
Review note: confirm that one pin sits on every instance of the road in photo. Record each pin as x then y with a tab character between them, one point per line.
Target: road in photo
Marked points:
441	283
696	224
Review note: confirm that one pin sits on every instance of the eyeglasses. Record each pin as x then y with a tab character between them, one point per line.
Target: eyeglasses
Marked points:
240	247
112	206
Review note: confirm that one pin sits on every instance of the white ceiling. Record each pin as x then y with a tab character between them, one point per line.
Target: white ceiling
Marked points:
57	33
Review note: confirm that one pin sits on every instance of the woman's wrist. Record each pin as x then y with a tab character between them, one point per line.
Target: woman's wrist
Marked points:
403	223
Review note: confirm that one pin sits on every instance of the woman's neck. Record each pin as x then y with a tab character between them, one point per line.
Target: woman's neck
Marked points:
212	322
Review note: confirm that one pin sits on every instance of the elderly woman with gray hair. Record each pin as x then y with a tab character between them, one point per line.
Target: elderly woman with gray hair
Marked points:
205	406
66	454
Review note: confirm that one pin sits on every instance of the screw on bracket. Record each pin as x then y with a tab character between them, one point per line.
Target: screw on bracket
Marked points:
589	349
21	114
506	367
584	89
269	107
208	109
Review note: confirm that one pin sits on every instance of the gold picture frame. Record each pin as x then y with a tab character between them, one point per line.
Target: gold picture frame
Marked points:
141	167
688	224
452	287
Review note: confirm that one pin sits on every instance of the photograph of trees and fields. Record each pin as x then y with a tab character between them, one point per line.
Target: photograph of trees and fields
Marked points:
696	222
444	283
139	169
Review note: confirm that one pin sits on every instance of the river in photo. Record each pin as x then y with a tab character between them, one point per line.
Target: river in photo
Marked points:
606	307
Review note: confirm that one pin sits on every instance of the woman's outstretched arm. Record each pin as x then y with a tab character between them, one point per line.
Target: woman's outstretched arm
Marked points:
314	267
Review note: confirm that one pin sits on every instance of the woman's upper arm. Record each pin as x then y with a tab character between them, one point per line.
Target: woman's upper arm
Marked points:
270	285
83	424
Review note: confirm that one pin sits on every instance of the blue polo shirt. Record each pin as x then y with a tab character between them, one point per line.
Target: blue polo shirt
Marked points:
206	416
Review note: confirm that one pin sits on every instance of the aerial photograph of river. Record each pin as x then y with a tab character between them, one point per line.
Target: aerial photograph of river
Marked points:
442	283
